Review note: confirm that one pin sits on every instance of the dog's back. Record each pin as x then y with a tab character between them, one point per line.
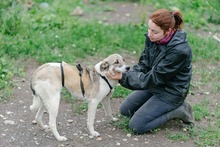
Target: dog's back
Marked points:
46	71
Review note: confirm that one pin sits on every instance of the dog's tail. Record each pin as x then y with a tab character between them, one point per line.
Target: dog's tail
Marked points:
36	104
32	89
36	100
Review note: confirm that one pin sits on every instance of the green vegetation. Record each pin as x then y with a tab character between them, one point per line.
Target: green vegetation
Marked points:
201	110
198	13
53	34
207	135
123	123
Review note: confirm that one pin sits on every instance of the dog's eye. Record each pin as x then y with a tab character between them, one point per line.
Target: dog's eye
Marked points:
116	62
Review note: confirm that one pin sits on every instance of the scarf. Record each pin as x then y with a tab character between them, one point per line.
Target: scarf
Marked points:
166	39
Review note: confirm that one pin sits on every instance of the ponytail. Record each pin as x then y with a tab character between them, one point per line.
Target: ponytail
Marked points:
178	20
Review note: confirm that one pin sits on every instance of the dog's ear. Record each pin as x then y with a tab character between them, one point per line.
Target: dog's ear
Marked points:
116	62
104	66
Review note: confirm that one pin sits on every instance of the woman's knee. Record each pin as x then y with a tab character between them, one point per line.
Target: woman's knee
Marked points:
137	127
141	123
127	108
125	111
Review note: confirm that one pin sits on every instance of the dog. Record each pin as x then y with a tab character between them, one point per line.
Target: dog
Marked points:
89	83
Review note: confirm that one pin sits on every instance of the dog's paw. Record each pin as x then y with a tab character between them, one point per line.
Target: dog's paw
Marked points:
96	134
45	128
62	138
34	122
114	119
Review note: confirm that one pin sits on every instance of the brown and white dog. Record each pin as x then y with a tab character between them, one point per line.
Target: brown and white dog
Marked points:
89	83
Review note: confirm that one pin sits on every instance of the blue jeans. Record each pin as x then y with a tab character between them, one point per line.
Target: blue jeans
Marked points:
146	110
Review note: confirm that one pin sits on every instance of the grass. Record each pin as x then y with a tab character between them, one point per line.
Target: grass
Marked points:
204	48
8	69
123	124
201	110
120	92
53	34
197	12
179	136
209	134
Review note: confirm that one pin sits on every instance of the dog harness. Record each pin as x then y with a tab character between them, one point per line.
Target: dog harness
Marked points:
62	73
81	82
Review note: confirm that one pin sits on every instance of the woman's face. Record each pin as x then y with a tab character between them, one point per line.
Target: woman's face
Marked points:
155	33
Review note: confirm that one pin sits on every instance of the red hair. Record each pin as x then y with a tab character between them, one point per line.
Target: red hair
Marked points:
166	19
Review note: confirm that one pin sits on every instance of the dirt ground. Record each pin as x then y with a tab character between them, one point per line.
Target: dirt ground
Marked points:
17	129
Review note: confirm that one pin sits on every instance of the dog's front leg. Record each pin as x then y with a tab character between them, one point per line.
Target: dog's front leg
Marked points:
92	107
107	107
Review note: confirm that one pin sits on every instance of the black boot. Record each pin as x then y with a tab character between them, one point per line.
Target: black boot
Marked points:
183	112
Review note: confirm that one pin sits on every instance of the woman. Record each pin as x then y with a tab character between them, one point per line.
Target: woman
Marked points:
161	78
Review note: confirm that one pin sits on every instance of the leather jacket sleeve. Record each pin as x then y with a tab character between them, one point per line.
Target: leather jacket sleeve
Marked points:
141	76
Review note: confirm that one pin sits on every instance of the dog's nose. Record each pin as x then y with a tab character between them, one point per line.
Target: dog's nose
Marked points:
127	68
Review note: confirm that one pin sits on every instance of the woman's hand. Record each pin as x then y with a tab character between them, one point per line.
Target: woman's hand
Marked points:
114	75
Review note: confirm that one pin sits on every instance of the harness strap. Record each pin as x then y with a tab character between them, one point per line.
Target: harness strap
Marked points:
81	82
78	66
62	73
104	78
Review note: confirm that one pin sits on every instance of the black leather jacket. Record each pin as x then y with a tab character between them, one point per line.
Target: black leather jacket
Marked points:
164	70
